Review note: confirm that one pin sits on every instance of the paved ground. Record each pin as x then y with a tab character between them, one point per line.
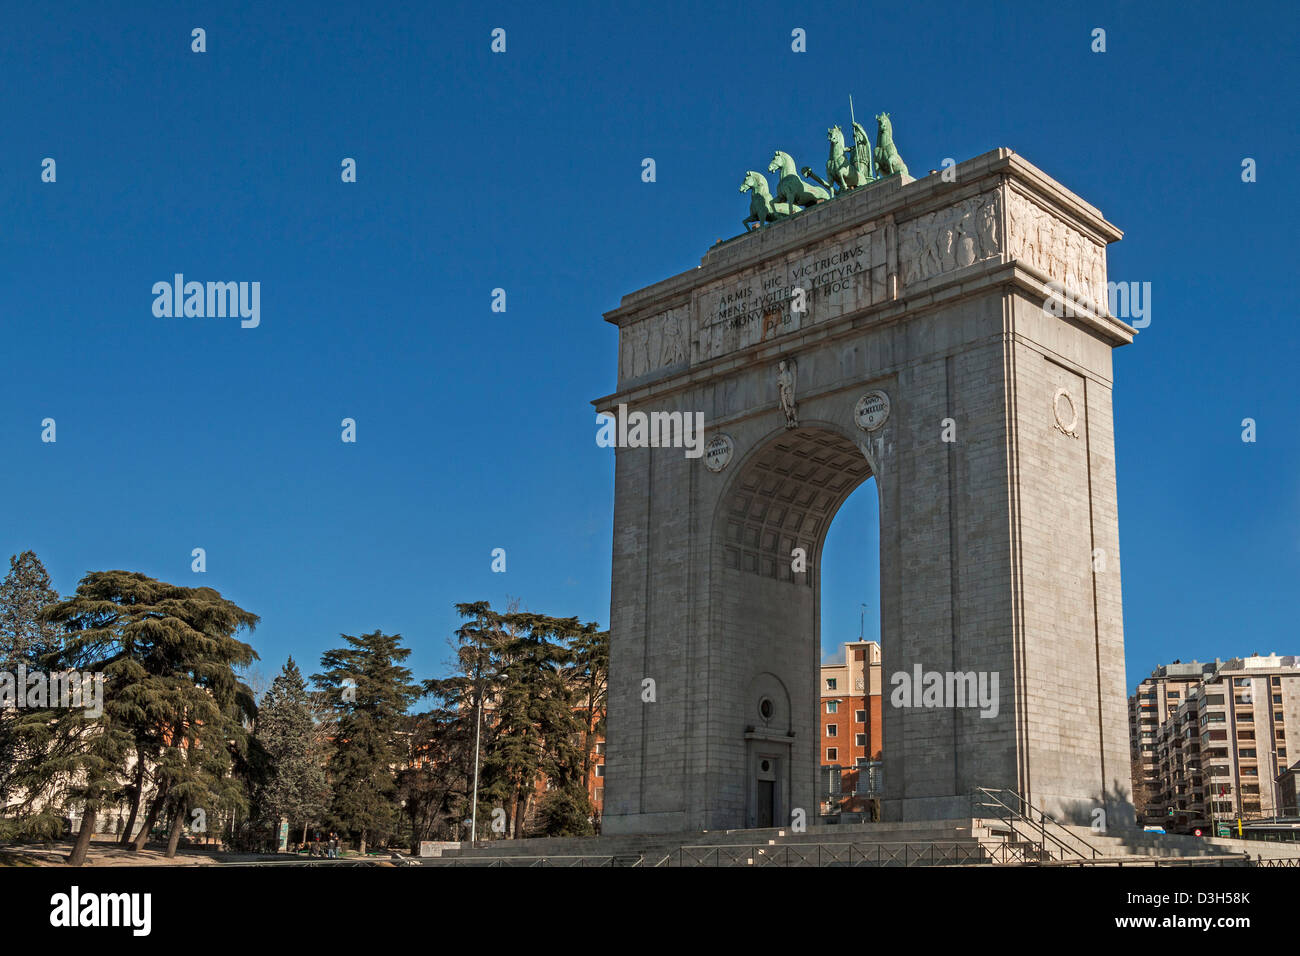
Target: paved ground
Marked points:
110	854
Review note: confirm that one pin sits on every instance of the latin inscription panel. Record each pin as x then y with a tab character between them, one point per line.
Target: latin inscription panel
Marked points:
785	296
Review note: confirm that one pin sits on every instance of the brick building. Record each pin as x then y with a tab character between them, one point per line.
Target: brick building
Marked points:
595	777
850	743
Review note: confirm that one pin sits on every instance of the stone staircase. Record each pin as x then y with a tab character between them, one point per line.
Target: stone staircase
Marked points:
961	842
1127	847
928	843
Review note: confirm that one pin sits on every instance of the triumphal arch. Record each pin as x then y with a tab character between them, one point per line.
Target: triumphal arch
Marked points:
949	336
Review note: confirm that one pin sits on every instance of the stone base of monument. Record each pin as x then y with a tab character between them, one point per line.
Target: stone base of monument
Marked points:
958	842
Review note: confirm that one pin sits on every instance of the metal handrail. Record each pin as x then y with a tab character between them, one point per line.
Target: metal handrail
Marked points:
1019	815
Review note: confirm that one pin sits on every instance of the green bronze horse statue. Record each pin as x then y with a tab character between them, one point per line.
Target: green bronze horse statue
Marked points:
790	188
761	208
843	172
888	161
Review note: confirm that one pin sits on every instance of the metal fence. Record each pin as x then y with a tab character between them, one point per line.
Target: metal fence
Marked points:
899	854
532	861
928	853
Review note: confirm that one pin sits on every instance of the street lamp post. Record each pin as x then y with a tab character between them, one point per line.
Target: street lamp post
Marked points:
478	725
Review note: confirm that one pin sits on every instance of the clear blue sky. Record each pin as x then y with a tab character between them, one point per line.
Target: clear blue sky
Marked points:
522	171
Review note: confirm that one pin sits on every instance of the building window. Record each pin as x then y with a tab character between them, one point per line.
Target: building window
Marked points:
860	716
832	707
600	770
832	754
830	683
832	730
861	740
600	747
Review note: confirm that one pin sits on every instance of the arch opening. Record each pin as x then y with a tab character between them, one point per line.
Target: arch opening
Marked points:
772	530
851	749
784	497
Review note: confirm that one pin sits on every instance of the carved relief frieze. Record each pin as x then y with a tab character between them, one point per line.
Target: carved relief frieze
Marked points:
949	239
1048	244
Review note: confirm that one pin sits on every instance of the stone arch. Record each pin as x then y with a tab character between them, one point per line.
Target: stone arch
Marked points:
784	494
981	539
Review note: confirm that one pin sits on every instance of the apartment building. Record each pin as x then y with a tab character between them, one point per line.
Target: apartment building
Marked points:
851	742
1221	752
1155	702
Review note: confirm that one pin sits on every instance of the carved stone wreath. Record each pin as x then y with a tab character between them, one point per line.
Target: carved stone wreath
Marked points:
1067	416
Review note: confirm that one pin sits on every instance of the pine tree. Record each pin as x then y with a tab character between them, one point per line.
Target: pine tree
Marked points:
565	811
536	727
466	698
172	699
368	691
434	789
24	638
589	677
540	682
293	786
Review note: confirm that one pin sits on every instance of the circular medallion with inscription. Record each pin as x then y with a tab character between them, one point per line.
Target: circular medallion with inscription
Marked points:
872	410
718	451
